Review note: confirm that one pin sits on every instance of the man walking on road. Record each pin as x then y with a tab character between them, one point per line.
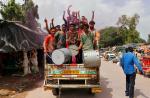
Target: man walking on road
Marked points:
127	61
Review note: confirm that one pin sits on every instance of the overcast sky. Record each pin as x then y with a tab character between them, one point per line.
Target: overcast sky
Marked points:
106	11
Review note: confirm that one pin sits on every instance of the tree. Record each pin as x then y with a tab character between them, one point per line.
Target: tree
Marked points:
27	13
11	11
110	37
30	11
127	28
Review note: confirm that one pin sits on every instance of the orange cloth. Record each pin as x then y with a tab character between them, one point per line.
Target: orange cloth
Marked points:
97	36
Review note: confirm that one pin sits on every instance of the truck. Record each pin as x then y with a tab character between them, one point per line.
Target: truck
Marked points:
72	76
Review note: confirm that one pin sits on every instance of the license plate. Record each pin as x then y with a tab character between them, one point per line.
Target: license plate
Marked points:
70	72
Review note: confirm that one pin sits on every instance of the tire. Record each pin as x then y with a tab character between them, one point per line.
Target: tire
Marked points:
90	92
55	91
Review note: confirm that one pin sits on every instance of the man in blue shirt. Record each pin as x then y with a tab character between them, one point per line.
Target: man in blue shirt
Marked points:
128	61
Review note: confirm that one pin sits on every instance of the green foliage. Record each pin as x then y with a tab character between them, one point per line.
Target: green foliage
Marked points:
12	11
124	34
26	13
110	37
31	14
127	29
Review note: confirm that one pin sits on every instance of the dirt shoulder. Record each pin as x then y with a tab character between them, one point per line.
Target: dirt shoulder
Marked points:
18	86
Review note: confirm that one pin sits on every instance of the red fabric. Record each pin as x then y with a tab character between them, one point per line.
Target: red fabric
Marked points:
74	59
146	62
67	44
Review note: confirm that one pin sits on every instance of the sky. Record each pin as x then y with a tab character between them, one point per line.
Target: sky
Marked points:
107	12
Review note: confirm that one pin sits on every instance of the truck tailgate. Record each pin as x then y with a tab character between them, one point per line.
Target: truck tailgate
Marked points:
67	71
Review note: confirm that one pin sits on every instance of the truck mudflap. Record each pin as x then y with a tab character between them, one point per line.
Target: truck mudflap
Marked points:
96	90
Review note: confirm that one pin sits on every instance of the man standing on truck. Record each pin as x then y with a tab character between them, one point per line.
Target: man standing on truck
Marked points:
61	41
49	43
87	39
87	42
94	31
127	62
72	39
96	34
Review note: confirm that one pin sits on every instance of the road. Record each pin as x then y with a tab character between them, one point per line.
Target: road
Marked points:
112	81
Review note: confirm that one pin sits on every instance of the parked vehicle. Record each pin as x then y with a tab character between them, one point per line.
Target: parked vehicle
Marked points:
102	51
109	55
116	60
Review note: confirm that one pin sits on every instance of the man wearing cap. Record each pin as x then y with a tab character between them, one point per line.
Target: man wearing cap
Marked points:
96	34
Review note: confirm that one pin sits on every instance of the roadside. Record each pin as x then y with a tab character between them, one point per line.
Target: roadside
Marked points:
112	81
18	86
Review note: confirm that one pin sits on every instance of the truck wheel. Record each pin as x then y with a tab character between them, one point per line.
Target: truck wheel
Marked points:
90	92
55	91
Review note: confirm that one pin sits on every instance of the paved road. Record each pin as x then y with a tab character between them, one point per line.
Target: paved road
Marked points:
113	85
